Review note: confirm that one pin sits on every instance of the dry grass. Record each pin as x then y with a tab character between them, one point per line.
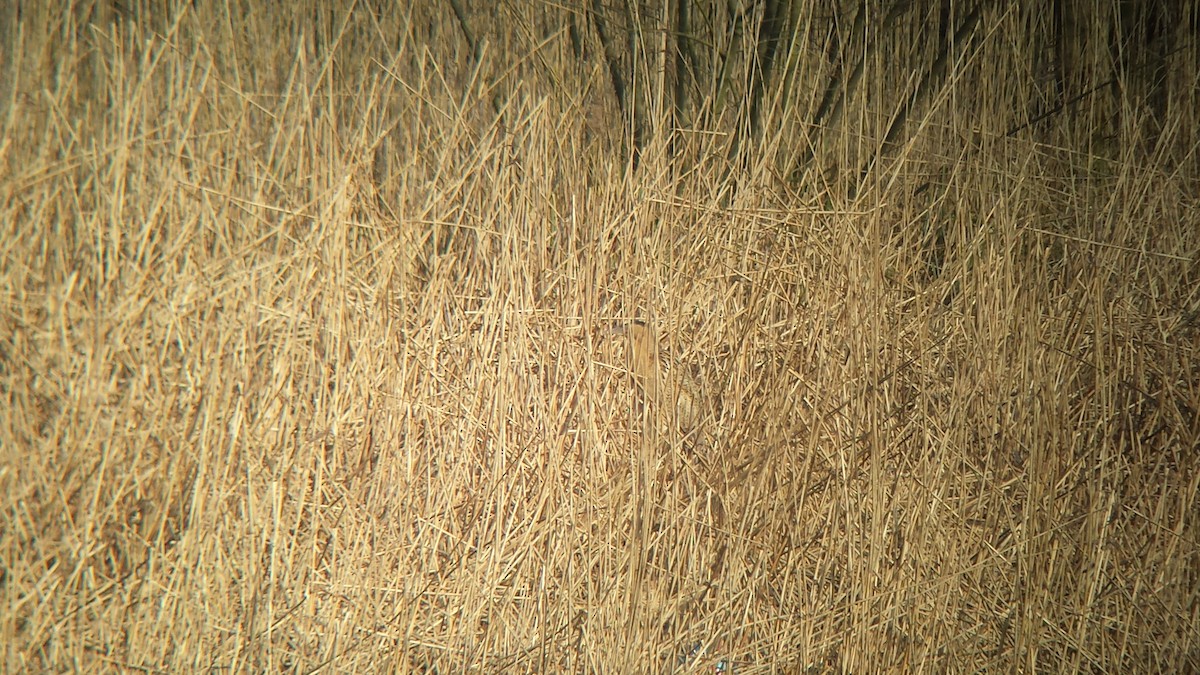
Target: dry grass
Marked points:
308	365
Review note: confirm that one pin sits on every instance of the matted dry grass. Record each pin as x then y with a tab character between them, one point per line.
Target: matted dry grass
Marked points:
306	365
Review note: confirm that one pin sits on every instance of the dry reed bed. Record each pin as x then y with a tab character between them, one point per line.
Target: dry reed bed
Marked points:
282	391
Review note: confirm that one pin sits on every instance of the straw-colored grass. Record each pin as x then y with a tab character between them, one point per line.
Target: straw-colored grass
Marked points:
308	364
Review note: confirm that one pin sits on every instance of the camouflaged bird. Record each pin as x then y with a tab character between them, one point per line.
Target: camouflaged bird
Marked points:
673	394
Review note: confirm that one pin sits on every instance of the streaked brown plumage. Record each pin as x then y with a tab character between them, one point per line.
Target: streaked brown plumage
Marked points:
674	395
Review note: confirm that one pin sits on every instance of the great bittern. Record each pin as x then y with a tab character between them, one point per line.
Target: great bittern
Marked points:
674	396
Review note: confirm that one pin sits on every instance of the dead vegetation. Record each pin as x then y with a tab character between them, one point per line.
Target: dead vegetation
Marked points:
308	364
